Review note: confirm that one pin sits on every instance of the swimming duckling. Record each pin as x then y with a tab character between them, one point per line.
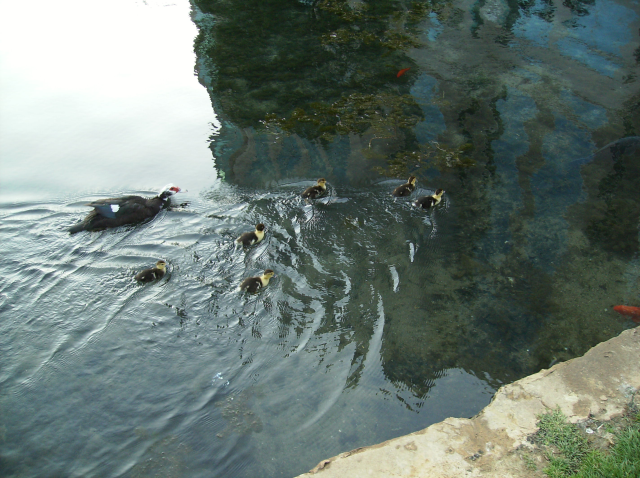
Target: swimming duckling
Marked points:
251	238
316	191
149	275
405	189
254	284
429	201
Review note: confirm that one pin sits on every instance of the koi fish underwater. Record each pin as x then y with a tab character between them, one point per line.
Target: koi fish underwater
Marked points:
402	72
629	311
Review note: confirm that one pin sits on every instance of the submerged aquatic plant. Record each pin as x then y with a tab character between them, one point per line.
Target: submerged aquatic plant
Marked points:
381	116
432	154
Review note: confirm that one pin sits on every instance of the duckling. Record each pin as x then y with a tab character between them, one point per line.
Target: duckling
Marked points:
316	191
251	238
429	201
149	275
405	189
254	284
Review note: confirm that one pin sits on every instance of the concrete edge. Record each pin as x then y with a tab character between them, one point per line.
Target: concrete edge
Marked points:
597	385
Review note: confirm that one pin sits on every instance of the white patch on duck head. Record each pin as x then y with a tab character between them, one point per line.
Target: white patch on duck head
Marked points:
169	190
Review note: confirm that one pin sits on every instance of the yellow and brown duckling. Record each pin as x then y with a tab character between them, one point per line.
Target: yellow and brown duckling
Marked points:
316	191
405	189
254	284
251	238
149	275
426	202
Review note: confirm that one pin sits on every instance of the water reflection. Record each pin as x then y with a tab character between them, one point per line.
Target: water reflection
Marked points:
82	109
504	105
382	318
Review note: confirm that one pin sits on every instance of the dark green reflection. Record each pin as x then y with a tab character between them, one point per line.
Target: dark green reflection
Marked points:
274	58
611	213
319	70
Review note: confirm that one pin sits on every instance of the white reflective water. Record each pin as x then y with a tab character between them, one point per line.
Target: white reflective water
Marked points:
98	96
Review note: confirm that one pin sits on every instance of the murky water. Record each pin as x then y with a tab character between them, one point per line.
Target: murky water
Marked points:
382	318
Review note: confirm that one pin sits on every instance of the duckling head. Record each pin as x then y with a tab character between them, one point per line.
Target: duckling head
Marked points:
268	274
260	227
322	182
412	180
439	193
162	265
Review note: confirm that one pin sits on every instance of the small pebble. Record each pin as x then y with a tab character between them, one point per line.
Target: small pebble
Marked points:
603	398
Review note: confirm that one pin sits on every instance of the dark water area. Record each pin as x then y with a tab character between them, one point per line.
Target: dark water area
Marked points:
382	318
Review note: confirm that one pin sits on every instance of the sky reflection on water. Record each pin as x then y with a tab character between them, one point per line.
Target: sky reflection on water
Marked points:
98	95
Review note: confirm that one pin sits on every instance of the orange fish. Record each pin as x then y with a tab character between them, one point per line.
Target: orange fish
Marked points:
402	72
633	312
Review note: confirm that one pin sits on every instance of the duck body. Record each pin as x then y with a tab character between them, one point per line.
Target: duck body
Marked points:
405	189
153	273
316	191
426	202
251	238
254	284
115	212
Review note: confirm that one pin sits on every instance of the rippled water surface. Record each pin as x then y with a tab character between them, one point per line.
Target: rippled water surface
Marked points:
382	318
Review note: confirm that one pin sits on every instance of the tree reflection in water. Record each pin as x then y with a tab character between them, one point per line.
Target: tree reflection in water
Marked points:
496	111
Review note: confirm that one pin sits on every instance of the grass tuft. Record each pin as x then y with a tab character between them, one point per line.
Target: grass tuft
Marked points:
571	455
565	437
622	462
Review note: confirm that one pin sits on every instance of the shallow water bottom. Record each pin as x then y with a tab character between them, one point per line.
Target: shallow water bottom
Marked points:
382	319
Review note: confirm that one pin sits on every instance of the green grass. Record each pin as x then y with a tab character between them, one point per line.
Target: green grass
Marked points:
575	459
566	438
623	461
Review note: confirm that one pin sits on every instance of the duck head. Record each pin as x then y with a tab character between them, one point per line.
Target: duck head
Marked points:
168	191
260	227
322	182
412	180
162	265
439	193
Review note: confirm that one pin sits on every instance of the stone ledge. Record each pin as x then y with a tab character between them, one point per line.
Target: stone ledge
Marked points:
599	384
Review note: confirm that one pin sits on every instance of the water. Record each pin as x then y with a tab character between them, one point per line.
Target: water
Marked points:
83	107
383	318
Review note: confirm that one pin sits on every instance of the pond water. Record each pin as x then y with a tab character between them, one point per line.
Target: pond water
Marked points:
382	318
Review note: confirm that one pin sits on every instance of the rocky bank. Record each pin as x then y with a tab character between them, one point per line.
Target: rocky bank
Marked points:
598	385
